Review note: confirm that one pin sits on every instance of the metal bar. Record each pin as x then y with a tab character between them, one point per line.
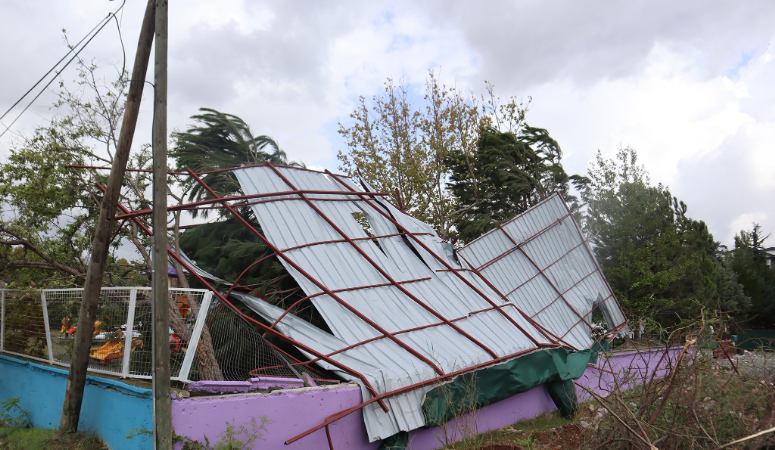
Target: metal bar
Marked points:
193	343
118	230
566	291
337	291
183	206
236	282
589	251
513	249
543	330
590	312
255	322
379	268
291	341
316	282
556	289
525	212
444	263
80	166
2	320
335	241
47	325
333	418
538	273
130	328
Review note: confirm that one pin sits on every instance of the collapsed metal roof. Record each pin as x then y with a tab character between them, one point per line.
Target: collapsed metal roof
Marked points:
406	311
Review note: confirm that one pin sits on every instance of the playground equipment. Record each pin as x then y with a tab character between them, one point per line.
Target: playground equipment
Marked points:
108	352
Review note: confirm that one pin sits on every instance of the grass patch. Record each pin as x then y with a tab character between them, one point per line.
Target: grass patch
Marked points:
12	438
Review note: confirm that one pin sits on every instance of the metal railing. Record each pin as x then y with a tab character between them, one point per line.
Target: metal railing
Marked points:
39	325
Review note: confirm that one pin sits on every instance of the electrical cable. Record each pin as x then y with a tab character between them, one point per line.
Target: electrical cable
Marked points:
93	34
123	50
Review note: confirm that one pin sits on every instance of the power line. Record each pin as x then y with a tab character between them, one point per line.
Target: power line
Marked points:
100	25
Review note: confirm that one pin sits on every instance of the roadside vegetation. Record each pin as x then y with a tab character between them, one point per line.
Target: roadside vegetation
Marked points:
701	402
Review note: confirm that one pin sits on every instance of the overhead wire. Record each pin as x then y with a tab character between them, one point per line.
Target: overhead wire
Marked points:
91	35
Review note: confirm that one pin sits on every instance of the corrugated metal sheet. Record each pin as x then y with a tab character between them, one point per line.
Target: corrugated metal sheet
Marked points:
291	222
562	283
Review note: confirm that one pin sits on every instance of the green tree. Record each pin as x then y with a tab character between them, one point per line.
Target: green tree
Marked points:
403	149
47	209
748	260
220	141
660	263
508	174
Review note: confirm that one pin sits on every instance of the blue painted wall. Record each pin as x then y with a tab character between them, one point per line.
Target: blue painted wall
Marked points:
110	408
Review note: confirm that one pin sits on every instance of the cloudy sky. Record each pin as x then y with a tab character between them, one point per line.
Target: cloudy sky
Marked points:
690	85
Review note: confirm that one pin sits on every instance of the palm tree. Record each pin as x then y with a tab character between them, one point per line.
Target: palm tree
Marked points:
221	141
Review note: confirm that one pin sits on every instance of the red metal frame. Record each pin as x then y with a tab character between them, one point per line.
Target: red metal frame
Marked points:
450	268
379	268
316	282
253	321
333	418
556	289
185	206
368	197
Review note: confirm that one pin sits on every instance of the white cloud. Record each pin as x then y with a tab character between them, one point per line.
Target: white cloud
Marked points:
744	222
688	84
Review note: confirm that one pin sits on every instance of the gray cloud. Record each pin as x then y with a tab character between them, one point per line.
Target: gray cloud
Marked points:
527	43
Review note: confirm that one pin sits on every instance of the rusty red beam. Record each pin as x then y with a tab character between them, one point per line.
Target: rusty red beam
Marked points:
421	327
538	273
589	251
565	292
210	201
315	281
556	289
590	312
523	213
81	166
445	264
513	249
333	418
336	241
258	261
548	334
354	288
379	268
253	321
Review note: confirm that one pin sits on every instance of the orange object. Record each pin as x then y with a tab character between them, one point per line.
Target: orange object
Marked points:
108	352
183	306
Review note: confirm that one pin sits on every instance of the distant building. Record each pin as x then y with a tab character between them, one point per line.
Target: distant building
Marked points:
770	256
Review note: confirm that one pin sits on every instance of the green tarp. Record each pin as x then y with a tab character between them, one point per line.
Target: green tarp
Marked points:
556	368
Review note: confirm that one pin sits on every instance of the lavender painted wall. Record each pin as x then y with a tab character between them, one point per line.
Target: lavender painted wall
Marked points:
295	411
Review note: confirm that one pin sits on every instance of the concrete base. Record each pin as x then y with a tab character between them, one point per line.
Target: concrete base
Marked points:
290	412
111	409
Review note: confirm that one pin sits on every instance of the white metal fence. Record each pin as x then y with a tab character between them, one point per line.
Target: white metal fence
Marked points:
39	324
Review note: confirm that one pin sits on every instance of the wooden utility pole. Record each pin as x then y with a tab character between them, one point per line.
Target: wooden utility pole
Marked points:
162	407
71	410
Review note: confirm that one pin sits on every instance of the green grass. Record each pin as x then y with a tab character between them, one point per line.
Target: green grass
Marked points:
12	438
522	433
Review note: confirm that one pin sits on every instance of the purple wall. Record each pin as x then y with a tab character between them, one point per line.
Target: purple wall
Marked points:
295	411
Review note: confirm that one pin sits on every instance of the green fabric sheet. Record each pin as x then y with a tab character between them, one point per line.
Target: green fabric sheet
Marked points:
556	368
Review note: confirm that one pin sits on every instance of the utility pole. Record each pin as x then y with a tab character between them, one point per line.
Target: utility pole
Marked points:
162	407
76	380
